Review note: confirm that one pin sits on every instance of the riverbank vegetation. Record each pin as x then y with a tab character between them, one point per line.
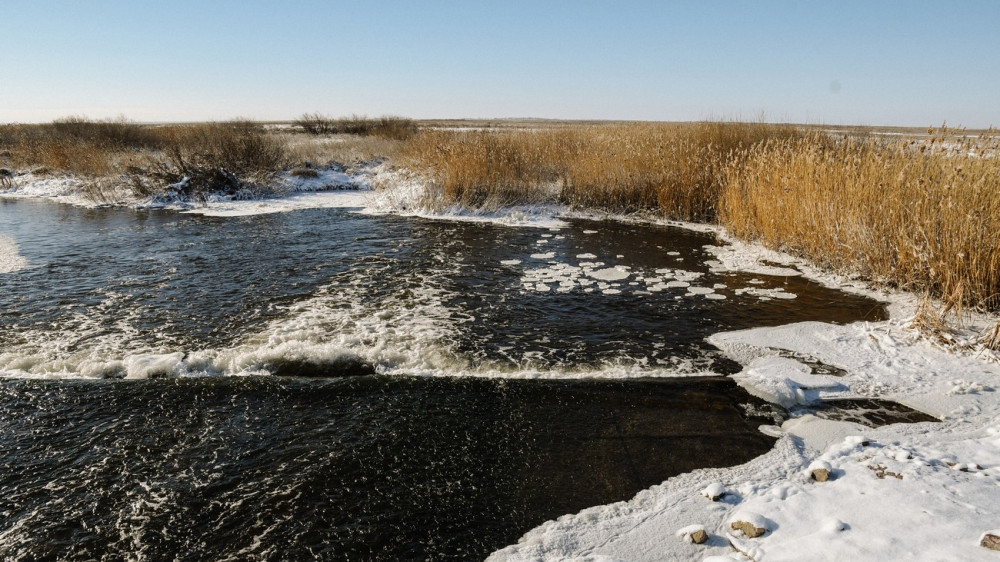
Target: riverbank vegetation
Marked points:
919	212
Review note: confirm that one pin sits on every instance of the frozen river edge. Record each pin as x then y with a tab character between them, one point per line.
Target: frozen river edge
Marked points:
920	491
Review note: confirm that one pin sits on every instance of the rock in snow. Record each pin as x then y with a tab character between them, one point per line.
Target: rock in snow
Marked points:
693	533
820	471
751	524
714	491
991	541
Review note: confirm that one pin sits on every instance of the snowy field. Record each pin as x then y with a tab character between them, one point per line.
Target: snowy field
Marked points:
829	490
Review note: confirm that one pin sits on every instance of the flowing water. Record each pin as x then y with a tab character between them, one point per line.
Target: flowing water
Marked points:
323	383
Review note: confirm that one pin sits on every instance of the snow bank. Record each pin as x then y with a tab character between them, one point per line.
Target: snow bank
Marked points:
64	189
923	491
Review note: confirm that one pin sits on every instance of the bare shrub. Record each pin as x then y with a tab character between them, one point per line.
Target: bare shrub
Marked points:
388	126
222	157
315	124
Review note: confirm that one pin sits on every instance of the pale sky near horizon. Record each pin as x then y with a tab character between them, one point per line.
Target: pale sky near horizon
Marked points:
916	63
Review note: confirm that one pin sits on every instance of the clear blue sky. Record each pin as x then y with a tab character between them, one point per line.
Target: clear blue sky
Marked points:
855	62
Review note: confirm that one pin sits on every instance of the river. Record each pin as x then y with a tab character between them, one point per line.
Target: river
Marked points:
325	383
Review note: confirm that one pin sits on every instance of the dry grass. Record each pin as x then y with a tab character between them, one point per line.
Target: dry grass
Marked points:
75	145
113	154
486	169
922	216
346	150
674	169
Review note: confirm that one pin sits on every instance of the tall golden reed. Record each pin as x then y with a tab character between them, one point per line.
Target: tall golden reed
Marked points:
675	169
923	216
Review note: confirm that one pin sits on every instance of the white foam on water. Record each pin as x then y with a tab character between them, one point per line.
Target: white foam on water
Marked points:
11	259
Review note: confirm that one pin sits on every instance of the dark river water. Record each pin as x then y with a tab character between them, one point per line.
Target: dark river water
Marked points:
327	384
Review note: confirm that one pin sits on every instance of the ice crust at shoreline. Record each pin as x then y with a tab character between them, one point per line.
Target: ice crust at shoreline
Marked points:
11	259
926	491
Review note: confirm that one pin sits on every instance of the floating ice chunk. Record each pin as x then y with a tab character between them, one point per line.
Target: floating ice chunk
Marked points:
590	232
673	253
766	294
545	256
677	284
546	236
700	290
510	262
585	256
612	292
609	274
715	297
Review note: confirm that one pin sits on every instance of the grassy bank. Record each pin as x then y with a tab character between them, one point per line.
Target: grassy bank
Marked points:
922	215
241	158
675	169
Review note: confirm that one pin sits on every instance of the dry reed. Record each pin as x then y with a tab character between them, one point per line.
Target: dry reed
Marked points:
674	169
919	216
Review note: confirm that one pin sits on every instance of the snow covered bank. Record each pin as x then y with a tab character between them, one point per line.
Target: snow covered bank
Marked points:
926	491
331	187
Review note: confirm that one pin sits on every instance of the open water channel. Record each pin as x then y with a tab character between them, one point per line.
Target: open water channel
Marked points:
324	383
